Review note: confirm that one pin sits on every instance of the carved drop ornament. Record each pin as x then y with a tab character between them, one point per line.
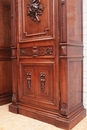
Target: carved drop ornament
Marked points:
43	80
28	80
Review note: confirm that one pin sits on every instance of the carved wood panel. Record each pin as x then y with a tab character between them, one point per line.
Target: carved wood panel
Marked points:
29	29
37	51
27	80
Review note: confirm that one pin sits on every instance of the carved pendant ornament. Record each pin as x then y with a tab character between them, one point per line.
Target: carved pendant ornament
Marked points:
28	80
35	9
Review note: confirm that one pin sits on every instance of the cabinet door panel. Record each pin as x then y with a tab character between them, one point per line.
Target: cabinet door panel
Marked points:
31	29
36	85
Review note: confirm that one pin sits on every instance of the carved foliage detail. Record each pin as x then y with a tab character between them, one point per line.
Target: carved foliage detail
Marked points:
62	2
43	81
36	51
14	97
64	108
63	50
28	80
35	9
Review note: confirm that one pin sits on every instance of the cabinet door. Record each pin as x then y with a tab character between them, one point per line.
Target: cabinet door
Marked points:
37	84
37	53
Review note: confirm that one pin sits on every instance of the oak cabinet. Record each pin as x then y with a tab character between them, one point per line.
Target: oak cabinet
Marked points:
5	52
47	60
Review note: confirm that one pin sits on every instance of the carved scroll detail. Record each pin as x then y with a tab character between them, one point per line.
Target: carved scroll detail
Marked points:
43	81
28	80
64	109
36	51
35	9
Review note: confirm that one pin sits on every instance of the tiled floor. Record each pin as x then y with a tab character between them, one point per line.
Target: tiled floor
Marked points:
10	121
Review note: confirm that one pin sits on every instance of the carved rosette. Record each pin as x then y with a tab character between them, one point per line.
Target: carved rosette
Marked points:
28	80
36	51
64	108
43	81
35	9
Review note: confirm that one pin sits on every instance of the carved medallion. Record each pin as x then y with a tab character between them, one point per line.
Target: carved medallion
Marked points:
35	9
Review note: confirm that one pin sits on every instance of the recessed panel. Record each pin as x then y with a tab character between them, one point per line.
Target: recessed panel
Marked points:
34	25
75	83
74	20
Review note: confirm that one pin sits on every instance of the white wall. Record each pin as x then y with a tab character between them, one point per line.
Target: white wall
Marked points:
85	52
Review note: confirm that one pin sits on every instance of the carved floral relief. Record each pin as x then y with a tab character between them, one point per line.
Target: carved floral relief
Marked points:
36	51
35	9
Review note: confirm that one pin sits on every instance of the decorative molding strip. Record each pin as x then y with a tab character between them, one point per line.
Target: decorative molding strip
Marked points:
37	34
36	51
71	44
5	53
28	80
64	108
43	81
75	56
35	9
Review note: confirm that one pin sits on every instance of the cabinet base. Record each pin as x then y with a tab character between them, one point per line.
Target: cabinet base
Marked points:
51	118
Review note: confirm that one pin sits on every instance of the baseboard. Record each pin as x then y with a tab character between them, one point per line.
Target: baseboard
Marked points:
51	118
5	98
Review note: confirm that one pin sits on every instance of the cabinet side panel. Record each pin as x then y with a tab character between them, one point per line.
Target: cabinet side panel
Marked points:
75	83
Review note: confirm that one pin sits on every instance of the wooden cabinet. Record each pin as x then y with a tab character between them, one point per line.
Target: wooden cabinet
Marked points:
47	64
5	52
